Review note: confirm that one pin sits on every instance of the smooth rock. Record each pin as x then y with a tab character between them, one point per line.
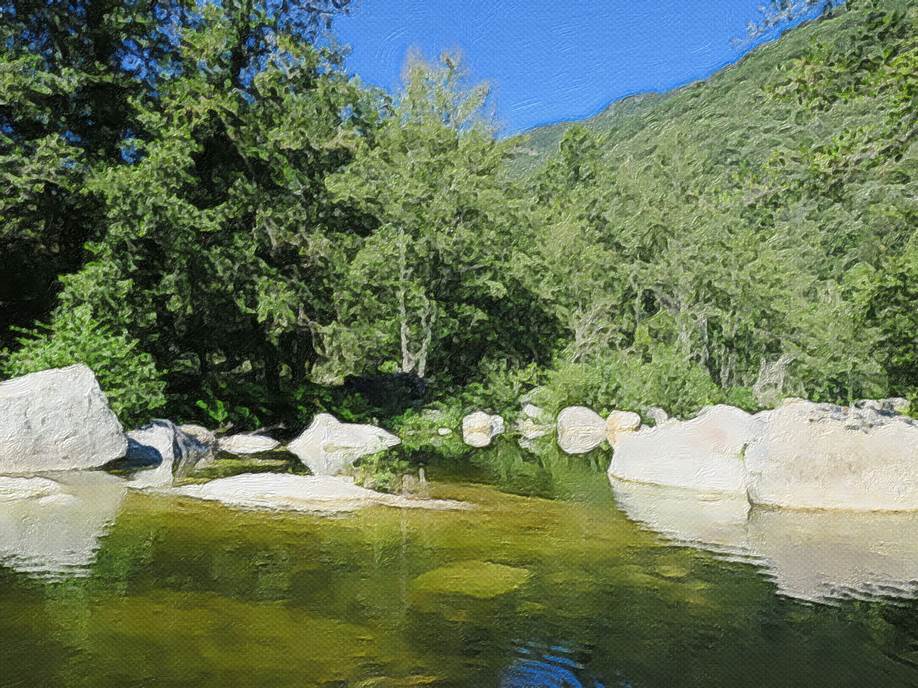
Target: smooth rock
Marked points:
479	428
657	415
704	453
820	456
621	421
166	450
444	432
51	525
580	430
479	579
57	419
200	433
329	447
314	493
243	443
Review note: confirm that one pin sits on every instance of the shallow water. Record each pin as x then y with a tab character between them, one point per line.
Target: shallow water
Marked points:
564	583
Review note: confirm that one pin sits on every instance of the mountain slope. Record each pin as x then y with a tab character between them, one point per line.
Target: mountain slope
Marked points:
765	215
729	116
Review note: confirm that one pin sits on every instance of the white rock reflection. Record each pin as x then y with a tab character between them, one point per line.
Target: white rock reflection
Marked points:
818	556
715	521
50	525
821	555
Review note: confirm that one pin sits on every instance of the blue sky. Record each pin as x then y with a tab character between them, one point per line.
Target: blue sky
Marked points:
550	60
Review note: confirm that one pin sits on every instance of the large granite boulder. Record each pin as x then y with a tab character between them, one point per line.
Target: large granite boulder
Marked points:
245	443
820	456
329	447
580	430
479	428
57	419
704	453
164	452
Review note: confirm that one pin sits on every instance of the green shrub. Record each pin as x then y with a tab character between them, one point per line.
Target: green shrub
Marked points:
629	381
417	428
383	471
127	375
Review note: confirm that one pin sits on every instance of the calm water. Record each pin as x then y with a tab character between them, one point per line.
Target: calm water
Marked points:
554	580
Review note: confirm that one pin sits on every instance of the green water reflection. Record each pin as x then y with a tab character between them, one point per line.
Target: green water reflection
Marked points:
546	583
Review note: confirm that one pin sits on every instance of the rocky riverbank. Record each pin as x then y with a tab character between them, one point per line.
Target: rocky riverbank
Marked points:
801	455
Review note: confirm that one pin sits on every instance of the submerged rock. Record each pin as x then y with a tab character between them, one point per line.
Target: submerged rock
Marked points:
580	430
479	428
329	447
244	443
50	525
57	419
288	492
167	450
481	579
704	453
821	456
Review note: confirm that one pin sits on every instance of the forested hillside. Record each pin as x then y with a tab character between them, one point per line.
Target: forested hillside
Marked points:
207	209
762	222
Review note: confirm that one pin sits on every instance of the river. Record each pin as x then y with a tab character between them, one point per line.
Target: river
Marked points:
554	579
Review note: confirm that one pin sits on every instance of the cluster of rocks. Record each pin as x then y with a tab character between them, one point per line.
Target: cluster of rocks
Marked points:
56	427
801	455
578	429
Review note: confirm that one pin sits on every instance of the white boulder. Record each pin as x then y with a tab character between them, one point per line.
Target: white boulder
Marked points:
820	456
244	443
57	419
479	428
657	415
704	453
316	493
166	451
200	433
621	421
580	430
329	447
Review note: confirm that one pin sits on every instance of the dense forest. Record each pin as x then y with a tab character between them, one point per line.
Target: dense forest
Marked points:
205	207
